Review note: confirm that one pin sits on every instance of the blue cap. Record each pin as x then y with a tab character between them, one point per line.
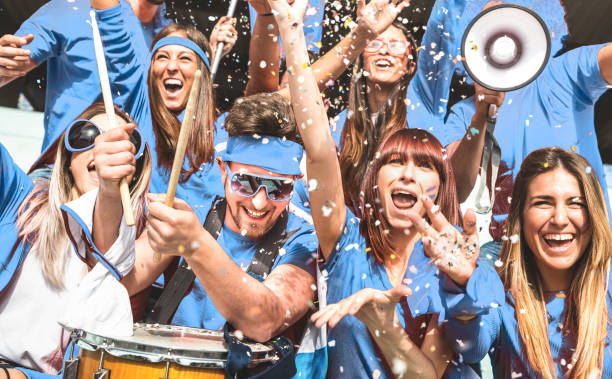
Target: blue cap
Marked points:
185	42
274	154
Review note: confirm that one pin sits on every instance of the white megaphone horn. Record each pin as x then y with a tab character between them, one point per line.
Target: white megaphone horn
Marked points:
505	47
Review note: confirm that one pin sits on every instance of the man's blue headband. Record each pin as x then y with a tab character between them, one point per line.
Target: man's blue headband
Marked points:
186	42
271	153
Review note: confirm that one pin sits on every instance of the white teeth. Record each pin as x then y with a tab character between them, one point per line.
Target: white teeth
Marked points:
559	237
382	63
255	214
173	82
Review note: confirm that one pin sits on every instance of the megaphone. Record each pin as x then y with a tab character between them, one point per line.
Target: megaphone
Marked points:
505	47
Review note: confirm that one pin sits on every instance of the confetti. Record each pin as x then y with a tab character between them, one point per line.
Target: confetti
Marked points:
588	169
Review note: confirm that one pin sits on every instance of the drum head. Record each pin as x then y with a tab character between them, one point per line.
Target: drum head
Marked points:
183	345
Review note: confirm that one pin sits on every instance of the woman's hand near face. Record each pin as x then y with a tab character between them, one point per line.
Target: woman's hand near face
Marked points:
454	253
114	159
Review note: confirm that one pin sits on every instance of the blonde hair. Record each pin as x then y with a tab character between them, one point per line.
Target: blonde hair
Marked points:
40	222
587	313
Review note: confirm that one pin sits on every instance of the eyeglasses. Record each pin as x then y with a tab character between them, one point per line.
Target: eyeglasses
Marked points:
248	185
396	47
81	135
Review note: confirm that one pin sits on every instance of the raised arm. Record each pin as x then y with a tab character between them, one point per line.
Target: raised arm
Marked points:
327	198
372	19
604	58
264	51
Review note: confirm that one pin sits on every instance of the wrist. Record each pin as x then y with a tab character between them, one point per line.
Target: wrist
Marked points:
363	32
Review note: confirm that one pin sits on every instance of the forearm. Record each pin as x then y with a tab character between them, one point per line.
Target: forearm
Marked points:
106	221
264	55
466	157
604	58
4	80
397	347
242	300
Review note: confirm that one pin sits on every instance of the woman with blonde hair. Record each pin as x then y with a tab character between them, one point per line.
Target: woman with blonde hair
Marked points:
548	316
47	276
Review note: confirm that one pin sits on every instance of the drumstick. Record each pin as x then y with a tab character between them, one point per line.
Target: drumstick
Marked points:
124	189
181	145
219	51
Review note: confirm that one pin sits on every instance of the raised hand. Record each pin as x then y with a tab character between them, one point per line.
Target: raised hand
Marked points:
225	32
14	60
288	14
484	98
375	308
454	253
377	15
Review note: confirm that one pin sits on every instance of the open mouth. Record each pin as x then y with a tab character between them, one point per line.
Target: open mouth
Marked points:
382	63
91	166
173	85
257	215
403	199
558	241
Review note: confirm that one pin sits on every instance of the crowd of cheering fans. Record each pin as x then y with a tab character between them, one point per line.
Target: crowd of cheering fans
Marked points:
346	228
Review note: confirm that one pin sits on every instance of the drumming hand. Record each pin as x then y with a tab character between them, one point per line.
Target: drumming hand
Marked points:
173	230
14	60
114	159
375	308
453	252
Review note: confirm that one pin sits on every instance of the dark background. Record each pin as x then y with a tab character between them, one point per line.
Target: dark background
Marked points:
588	23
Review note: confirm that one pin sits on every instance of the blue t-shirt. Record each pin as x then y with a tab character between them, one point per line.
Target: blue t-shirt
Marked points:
63	37
351	351
15	186
556	109
128	63
495	331
197	309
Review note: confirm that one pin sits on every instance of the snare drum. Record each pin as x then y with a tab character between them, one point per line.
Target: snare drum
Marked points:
158	351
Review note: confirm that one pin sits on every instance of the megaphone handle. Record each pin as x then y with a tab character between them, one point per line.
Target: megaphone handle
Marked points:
492	111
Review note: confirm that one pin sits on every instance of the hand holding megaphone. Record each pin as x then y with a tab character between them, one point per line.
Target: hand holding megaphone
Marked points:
488	102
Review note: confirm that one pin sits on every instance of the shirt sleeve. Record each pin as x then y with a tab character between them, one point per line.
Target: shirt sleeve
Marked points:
301	249
577	74
127	60
46	42
439	47
483	296
343	259
15	186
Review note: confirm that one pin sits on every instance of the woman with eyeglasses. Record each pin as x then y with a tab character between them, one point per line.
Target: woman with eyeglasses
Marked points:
389	91
546	314
46	275
380	251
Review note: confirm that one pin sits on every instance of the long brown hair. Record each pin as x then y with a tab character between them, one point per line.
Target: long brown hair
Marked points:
587	313
39	219
405	144
166	125
360	136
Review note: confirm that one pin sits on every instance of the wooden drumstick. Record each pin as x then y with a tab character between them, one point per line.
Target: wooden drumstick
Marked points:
181	145
124	189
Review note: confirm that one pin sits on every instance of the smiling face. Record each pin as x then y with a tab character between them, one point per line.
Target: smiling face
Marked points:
82	165
556	223
386	68
174	68
251	216
400	186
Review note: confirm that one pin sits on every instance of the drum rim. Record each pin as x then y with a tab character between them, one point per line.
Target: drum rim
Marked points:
151	353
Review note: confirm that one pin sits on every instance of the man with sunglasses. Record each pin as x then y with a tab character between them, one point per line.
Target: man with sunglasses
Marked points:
258	232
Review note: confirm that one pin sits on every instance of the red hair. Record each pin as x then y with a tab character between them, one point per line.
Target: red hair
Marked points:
406	144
